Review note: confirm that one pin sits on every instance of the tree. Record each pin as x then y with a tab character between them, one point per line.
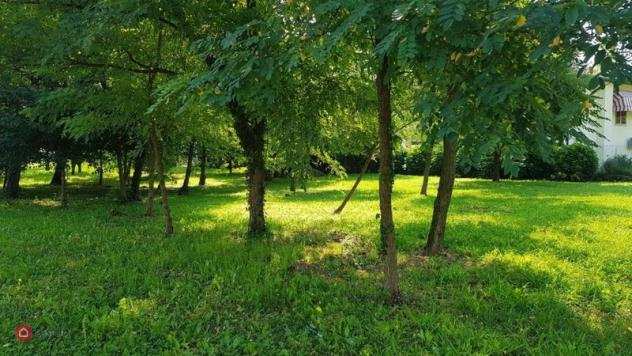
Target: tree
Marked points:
202	157
261	71
493	60
123	40
19	137
367	29
184	189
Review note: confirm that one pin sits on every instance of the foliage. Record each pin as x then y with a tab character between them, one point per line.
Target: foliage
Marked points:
413	161
575	162
287	85
617	168
20	138
534	167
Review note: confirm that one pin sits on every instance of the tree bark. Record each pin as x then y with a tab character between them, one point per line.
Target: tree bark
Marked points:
149	210
427	165
367	162
160	168
100	172
434	242
387	226
202	181
11	184
73	164
62	186
292	178
184	189
60	166
153	138
134	189
127	168
122	178
251	134
496	174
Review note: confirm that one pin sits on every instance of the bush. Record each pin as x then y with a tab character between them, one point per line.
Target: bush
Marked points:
399	162
413	162
534	167
353	163
617	168
576	162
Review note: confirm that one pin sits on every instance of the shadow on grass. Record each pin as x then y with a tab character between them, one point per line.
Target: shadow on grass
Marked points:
124	287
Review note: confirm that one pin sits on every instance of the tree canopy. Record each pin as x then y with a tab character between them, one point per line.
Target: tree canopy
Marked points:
288	87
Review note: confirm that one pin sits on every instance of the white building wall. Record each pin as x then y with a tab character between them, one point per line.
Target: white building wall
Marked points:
616	135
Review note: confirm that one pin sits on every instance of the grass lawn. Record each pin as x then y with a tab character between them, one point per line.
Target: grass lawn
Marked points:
533	267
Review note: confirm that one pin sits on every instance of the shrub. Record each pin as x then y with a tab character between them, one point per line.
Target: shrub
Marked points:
617	168
415	161
354	163
412	162
534	167
576	162
399	162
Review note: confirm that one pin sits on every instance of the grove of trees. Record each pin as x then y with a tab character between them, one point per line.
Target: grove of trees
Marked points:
286	87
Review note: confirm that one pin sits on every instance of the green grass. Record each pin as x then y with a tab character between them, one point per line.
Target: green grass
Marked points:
533	267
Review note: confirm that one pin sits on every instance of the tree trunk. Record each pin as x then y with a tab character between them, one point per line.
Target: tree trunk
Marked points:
202	167
60	166
427	165
496	174
122	178
387	226
153	130
434	242
11	184
134	189
79	167
256	194
292	180
100	173
367	162
230	166
184	189
73	164
160	168
63	193
149	211
304	184
128	168
251	134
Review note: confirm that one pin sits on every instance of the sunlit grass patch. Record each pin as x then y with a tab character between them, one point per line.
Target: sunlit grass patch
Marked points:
531	267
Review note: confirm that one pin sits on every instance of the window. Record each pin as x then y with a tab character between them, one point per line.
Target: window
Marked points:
620	118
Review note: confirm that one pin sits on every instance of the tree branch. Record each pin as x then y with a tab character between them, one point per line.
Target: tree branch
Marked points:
147	70
134	60
168	22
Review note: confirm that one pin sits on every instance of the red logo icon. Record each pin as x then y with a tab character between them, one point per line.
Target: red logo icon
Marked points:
23	333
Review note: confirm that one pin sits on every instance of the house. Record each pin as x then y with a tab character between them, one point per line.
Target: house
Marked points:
617	128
